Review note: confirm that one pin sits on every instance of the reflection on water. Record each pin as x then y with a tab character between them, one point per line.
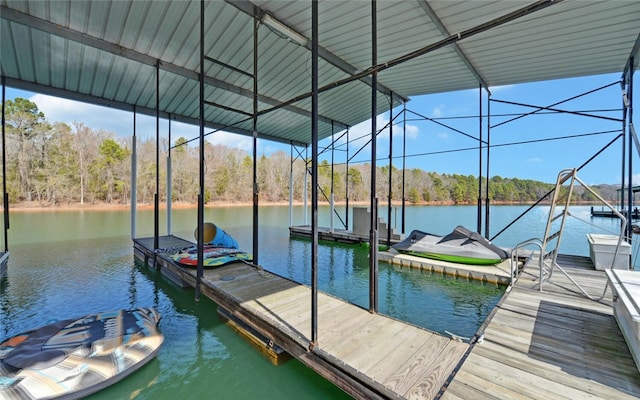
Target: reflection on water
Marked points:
200	357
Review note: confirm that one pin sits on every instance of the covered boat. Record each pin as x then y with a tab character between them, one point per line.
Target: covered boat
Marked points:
460	246
73	358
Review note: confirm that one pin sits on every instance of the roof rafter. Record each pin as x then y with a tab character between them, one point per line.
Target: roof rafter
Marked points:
254	11
79	37
445	32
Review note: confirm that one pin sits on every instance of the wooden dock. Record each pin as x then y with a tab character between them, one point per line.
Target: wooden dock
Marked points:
337	235
555	344
340	235
367	355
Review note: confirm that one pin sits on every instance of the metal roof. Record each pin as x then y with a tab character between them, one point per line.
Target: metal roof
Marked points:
106	52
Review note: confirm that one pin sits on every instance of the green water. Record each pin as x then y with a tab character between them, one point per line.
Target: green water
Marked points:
66	264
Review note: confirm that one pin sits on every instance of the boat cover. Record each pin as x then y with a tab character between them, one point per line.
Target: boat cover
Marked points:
461	245
73	358
214	256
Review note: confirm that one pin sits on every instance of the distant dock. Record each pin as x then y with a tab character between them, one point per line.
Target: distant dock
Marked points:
359	234
635	214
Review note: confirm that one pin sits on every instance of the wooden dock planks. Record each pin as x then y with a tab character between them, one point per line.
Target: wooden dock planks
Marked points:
555	344
368	355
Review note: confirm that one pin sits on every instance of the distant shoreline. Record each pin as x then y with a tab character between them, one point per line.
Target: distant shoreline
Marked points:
36	206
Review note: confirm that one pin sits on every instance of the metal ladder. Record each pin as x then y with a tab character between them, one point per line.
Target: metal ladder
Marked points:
555	224
558	212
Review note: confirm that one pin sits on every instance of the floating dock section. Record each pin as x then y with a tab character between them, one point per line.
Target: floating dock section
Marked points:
359	233
499	274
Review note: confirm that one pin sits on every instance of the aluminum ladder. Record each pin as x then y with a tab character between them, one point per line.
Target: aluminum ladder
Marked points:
558	212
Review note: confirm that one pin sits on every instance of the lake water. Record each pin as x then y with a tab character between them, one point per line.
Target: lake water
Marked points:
69	263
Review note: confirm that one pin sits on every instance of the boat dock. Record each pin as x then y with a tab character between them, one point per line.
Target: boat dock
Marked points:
635	214
554	344
367	355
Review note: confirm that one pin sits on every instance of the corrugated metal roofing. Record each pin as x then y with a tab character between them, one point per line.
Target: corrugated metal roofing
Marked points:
106	52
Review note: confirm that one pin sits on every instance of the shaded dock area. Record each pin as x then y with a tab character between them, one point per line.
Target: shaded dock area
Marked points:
555	344
367	355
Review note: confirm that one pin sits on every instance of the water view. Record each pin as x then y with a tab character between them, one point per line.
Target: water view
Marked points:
70	263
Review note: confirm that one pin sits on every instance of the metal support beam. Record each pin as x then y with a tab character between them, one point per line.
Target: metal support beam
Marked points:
623	150
630	153
332	196
291	160
134	177
346	210
256	189
169	185
114	49
5	195
404	162
373	235
200	238
486	193
156	200
479	230
390	190
445	32
376	68
118	105
247	7
314	174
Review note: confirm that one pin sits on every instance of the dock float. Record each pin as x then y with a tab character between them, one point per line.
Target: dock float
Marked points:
499	274
367	355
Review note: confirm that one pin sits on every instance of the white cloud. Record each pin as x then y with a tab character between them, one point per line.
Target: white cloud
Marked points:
534	160
121	124
412	131
443	135
62	110
438	111
495	89
232	140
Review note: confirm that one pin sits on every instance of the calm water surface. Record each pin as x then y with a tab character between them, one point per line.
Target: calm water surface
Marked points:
70	263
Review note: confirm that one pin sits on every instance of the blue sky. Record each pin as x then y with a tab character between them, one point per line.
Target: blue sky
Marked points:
433	147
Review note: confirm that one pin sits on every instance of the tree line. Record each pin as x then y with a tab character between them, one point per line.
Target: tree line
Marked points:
52	163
